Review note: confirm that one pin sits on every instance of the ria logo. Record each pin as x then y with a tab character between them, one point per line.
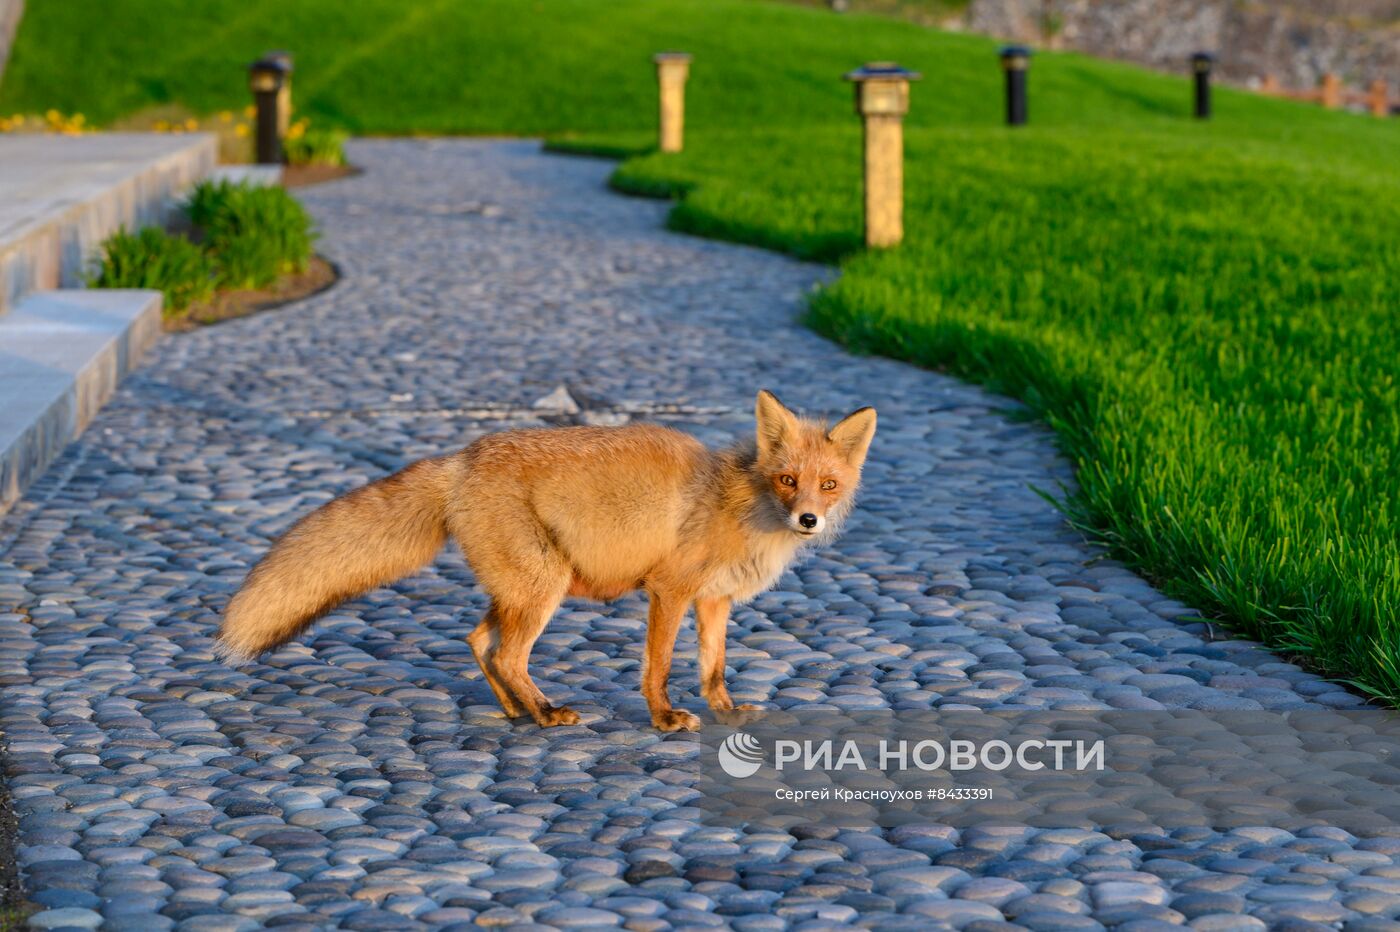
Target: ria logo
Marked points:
740	755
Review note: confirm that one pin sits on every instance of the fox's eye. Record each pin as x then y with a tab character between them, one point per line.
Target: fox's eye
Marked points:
787	480
828	485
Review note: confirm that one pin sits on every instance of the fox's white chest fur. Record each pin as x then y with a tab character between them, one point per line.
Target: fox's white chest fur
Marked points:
745	576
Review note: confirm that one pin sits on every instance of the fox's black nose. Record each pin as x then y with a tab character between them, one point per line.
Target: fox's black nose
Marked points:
808	520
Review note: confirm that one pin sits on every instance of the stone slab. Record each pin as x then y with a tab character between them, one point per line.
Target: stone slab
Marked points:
61	196
259	176
62	354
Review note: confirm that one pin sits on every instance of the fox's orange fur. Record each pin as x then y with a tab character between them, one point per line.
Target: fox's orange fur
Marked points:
582	511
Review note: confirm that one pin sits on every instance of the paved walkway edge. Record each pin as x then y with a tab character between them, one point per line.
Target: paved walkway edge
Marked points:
62	354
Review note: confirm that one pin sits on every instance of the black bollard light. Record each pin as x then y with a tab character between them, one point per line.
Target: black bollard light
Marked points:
265	79
284	96
1201	63
1015	61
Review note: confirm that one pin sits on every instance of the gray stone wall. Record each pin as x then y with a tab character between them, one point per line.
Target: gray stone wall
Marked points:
1295	40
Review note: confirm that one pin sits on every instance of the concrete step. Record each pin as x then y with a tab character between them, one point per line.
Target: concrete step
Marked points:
62	354
61	196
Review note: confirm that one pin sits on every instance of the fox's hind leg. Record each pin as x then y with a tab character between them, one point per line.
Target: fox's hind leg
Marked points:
504	661
484	640
515	560
520	627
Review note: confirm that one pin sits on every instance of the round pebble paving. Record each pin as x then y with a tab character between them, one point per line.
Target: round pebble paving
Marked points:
362	777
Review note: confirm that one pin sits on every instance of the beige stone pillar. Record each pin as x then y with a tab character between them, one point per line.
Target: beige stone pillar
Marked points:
882	100
672	69
1379	98
1331	91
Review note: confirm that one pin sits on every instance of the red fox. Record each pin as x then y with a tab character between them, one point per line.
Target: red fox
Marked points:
542	514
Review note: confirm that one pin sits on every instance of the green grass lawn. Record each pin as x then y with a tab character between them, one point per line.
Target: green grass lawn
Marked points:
1206	313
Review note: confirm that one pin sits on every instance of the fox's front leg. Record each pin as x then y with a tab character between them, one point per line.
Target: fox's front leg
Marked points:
711	627
663	622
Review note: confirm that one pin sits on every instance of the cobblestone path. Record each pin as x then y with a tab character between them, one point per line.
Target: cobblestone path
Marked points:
363	778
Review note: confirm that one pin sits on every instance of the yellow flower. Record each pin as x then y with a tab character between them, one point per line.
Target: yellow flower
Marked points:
296	131
161	126
241	129
53	116
225	116
191	124
250	111
78	119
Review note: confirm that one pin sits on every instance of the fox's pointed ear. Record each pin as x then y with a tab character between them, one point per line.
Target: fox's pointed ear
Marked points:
775	422
852	435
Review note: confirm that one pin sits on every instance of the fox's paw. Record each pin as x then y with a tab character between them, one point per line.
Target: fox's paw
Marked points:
719	700
739	715
549	716
675	720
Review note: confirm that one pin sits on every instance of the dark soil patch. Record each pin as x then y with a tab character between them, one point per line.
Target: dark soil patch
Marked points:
319	276
14	908
299	176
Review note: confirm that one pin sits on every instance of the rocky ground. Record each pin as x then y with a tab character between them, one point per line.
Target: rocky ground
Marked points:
363	778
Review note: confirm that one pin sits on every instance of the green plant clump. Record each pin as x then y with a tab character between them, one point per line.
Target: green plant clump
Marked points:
256	234
316	147
244	236
153	258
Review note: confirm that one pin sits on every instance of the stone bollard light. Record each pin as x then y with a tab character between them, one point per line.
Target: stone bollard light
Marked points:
1331	91
284	97
1378	100
1015	61
672	69
1201	63
882	99
265	80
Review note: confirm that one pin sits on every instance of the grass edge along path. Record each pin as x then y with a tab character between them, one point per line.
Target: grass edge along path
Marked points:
1231	566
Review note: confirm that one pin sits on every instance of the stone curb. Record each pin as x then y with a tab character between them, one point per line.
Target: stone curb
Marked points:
62	354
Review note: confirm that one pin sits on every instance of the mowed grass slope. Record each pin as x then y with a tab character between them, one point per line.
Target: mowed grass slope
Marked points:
1206	313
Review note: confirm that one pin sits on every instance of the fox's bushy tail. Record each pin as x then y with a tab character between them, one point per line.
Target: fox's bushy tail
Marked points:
364	539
